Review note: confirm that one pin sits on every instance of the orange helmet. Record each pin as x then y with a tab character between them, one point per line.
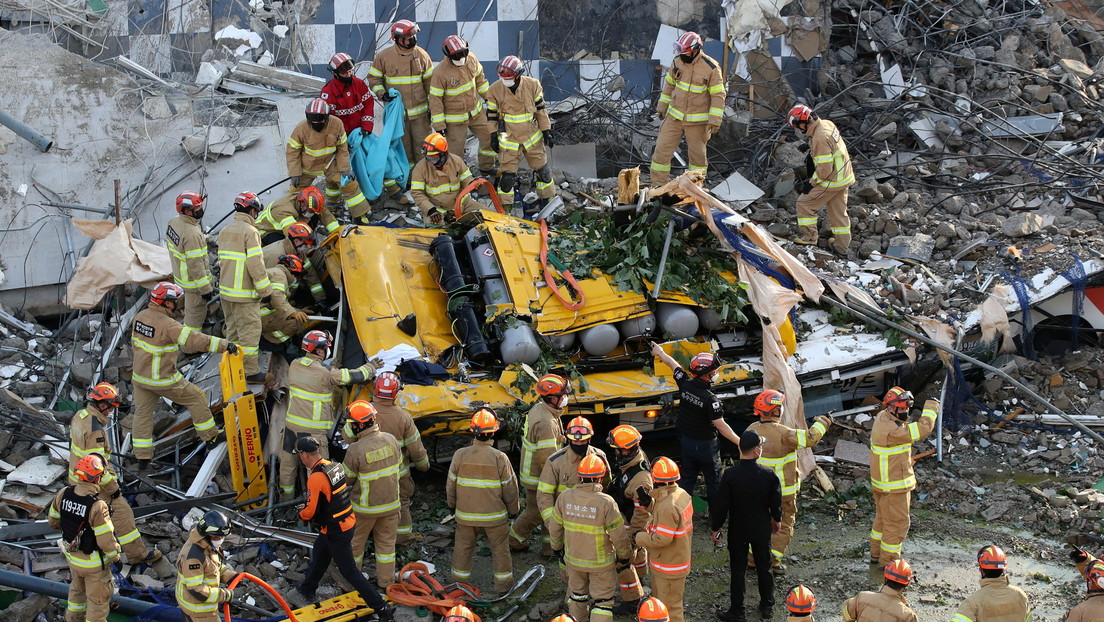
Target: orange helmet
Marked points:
387	386
316	341
799	114
310	199
652	609
459	613
665	471
688	43
247	201
299	233
90	468
341	62
292	263
510	67
991	557
564	617
191	201
551	385
579	429
104	392
592	467
1094	575
898	571
703	363
164	292
361	411
455	48
484	421
898	397
769	403
801	600
624	437
435	143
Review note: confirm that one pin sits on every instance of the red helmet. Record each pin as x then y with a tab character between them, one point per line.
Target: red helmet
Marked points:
801	600
579	429
510	67
484	421
361	411
339	63
387	386
991	557
247	201
799	114
299	233
592	467
404	28
292	263
899	571
164	292
898	397
104	392
316	341
665	471
318	111
191	201
551	385
703	363
769	403
310	200
689	43
90	468
455	47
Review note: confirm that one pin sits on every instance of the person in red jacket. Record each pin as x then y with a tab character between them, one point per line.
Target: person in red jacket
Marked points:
349	97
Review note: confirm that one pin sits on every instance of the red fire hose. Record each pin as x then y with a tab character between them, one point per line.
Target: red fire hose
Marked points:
268	588
564	272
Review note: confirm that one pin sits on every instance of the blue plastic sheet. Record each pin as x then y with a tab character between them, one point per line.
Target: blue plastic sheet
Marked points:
378	157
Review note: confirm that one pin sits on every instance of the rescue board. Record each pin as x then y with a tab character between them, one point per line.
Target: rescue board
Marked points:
339	609
243	434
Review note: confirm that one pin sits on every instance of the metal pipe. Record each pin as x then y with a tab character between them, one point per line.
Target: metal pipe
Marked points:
84	208
61	590
24	131
663	257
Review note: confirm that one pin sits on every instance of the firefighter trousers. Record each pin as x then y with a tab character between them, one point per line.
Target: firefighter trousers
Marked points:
90	591
835	199
405	529
628	580
416	129
669	589
497	540
243	327
382	531
354	199
122	518
457	134
781	540
670	133
891	525
527	522
289	462
586	583
180	392
195	309
508	162
337	547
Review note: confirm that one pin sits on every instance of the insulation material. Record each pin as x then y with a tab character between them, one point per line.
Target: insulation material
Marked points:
994	320
628	186
744	16
807	38
116	258
938	332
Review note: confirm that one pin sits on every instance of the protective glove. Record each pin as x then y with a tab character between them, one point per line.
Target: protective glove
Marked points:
232	348
1078	555
621	564
494	142
436	215
803	186
346	177
266	300
642	497
558	555
661	114
209	296
385	95
803	146
439	130
810	166
713	129
227	595
826	420
300	317
549	140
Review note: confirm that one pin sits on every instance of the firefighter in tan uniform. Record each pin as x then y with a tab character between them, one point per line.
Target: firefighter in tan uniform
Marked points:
299	241
310	401
632	479
780	446
307	206
157	339
407	68
456	92
319	147
1091	608
830	177
589	534
691	105
398	423
373	463
187	246
280	320
668	535
201	572
437	179
891	474
483	492
243	281
800	602
86	437
561	470
88	542
542	436
887	604
997	600
519	120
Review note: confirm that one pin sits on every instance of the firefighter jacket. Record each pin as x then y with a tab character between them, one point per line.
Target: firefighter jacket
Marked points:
780	446
1091	609
456	93
891	448
242	276
540	438
561	472
157	340
373	463
481	486
278	310
87	534
398	423
352	103
187	246
669	532
829	154
86	436
587	526
318	153
694	92
328	505
432	187
282	213
520	110
996	601
885	605
636	473
271	255
311	387
200	575
408	72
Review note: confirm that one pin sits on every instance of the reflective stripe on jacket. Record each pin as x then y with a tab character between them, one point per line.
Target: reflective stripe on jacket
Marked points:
373	466
996	601
407	71
310	389
669	532
187	246
157	338
200	575
780	446
521	110
242	275
560	473
829	154
891	448
456	93
542	436
693	92
481	486
587	526
318	153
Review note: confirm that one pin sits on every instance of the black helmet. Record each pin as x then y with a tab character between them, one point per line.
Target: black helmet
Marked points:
213	525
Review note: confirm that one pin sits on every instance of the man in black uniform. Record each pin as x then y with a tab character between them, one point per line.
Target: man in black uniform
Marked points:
750	496
699	419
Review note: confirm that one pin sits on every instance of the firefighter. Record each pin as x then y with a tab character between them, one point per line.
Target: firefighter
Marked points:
780	446
307	206
328	508
519	120
243	281
201	571
652	609
561	470
542	436
311	386
87	436
483	492
348	96
437	179
318	146
801	602
279	319
829	179
87	540
394	420
589	535
997	600
157	338
407	68
187	246
1091	608
887	604
299	241
632	479
456	93
667	536
891	474
374	460
692	105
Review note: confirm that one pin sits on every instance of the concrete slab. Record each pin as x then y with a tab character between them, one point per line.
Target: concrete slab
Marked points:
737	189
38	471
848	451
578	160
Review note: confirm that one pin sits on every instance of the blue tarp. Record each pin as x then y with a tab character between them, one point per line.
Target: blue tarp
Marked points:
378	157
